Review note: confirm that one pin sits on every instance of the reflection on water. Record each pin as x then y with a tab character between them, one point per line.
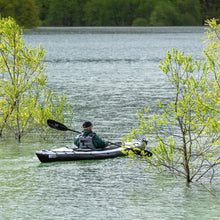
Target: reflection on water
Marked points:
108	73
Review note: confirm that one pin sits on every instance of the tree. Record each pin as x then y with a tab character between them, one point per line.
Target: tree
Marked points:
92	12
63	13
212	53
210	9
140	22
25	102
213	45
164	13
43	6
110	12
145	9
185	135
189	12
25	12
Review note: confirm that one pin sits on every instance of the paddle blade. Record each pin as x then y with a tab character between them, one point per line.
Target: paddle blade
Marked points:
56	125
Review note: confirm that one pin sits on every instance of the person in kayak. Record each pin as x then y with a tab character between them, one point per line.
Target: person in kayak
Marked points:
88	139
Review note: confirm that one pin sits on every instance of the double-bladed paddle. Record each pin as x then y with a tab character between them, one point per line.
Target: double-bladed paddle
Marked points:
58	126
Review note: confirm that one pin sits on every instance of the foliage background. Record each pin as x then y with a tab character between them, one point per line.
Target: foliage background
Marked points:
32	13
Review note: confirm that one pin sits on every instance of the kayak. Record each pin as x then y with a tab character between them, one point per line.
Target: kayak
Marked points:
69	154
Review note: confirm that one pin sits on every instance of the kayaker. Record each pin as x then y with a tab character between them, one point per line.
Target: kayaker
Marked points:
89	139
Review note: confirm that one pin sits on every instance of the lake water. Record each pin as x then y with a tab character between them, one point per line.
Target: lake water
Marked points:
108	73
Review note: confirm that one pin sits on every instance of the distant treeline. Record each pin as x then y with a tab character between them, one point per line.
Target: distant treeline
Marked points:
30	13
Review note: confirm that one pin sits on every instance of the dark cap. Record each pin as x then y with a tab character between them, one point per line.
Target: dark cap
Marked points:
87	124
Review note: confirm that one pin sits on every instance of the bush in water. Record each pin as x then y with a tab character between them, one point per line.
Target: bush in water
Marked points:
25	102
185	135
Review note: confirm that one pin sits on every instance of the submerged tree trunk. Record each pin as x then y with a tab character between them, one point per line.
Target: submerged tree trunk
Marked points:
186	164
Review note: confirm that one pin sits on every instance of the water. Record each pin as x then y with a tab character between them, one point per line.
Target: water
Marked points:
108	73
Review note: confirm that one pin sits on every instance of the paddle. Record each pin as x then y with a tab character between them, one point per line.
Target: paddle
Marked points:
58	126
